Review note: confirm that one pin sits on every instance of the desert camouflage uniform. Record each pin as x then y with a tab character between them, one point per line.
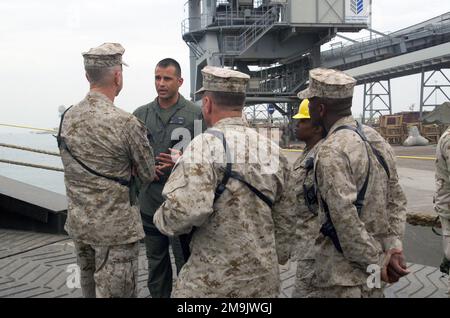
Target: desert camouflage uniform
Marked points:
341	168
307	228
442	196
239	241
108	271
103	224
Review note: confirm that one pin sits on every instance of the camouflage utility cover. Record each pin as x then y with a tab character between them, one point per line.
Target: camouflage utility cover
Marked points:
106	55
217	79
328	83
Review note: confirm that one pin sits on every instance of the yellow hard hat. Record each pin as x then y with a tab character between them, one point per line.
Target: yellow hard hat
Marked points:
303	110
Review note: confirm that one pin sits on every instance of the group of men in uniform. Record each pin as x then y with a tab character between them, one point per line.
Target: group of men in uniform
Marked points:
229	203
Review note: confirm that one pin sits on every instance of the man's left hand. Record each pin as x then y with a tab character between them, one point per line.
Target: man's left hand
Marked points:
395	268
166	161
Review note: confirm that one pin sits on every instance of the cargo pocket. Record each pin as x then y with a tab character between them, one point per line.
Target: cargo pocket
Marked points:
116	276
130	279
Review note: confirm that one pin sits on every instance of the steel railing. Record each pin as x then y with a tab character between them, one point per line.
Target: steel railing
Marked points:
238	44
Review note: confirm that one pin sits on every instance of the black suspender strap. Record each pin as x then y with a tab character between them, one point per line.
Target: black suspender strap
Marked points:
309	193
63	145
258	193
226	177
230	174
185	239
362	194
377	154
359	203
328	228
58	139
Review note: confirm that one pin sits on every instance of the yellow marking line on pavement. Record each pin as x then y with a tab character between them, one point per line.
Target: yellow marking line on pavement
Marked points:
416	158
292	150
399	157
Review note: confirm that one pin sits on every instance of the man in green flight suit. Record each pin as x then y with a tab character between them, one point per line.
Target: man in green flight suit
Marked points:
172	122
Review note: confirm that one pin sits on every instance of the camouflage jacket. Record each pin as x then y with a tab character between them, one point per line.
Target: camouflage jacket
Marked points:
307	228
239	240
110	141
442	195
341	169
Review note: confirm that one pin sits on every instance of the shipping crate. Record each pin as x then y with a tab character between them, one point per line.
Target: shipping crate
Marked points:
393	134
434	139
430	130
391	120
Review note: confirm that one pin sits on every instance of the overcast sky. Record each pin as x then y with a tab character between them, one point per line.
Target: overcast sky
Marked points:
41	44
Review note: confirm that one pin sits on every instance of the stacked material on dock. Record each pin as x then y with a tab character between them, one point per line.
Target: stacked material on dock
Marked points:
395	128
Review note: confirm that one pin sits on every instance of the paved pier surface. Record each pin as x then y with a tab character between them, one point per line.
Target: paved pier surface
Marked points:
32	266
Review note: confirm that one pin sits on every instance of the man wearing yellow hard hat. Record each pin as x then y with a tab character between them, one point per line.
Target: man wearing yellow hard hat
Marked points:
302	181
305	130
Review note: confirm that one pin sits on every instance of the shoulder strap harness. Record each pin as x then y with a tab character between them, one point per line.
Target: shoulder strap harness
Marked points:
234	175
328	228
63	145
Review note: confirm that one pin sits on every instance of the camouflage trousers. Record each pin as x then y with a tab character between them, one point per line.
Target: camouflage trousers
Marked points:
344	292
108	271
305	270
448	286
446	244
446	236
304	287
